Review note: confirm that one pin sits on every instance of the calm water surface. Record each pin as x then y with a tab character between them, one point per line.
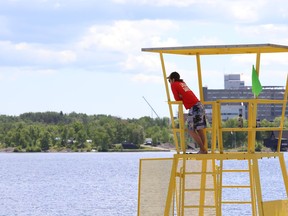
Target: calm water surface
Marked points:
101	184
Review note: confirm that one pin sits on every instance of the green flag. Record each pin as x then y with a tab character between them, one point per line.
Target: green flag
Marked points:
256	85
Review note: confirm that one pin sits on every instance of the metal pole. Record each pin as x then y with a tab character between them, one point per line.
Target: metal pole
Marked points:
150	106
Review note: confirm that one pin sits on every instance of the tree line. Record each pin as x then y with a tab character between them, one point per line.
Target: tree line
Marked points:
55	131
43	131
239	139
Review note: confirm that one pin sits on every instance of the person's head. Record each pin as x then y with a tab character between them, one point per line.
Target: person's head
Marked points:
174	76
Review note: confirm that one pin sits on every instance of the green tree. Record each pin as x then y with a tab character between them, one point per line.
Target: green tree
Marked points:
45	141
233	138
81	137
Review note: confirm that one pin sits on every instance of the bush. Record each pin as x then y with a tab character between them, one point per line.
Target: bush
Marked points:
100	149
242	149
258	146
118	147
36	149
75	149
17	149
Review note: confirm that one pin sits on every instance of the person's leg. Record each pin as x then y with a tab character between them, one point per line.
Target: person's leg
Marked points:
196	123
202	136
197	137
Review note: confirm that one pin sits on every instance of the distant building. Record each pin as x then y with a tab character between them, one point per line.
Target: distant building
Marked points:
231	111
232	81
235	89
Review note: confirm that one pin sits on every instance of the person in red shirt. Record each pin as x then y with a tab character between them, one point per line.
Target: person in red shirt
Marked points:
196	116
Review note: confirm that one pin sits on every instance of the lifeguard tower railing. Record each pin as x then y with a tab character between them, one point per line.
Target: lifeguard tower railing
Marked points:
194	182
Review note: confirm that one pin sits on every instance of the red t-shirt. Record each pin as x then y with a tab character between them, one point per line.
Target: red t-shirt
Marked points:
182	93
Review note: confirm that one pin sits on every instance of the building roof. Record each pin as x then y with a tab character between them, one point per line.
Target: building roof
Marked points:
220	49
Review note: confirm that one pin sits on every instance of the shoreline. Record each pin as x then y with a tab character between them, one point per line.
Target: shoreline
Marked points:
11	150
144	148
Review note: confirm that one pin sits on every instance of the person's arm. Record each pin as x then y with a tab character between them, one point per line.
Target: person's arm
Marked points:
175	92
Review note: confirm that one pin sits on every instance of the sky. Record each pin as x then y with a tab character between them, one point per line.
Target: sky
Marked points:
85	56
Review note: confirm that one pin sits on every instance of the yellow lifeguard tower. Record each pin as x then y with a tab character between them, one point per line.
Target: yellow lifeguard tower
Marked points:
192	184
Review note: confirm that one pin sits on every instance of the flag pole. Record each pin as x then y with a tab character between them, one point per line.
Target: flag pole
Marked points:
257	67
255	90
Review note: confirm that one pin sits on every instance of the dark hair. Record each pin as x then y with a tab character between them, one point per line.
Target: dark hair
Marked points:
176	76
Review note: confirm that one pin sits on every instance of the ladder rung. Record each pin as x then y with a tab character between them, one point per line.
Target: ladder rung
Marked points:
195	206
193	173
235	170
236	186
198	173
236	202
208	189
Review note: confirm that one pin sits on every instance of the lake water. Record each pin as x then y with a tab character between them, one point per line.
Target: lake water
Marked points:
86	184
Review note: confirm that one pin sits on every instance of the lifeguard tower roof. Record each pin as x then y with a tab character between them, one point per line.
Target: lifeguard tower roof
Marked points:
220	49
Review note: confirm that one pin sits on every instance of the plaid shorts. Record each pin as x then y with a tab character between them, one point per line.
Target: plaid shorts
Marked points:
196	117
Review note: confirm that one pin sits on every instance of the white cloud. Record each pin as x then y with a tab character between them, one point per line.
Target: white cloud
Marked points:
34	54
127	38
228	11
57	5
244	59
15	73
277	59
4	29
144	78
122	36
272	63
244	12
207	40
247	10
158	41
119	42
277	31
66	56
178	3
146	62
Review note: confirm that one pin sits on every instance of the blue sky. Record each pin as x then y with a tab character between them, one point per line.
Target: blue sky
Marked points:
85	56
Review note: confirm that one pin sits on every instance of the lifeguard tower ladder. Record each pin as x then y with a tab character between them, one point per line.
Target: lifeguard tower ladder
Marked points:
192	184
